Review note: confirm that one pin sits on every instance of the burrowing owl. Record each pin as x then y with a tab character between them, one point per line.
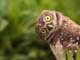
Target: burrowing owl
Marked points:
59	31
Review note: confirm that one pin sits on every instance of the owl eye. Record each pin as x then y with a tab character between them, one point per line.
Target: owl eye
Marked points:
47	18
43	30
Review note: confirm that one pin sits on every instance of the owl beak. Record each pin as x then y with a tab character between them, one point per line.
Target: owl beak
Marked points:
49	27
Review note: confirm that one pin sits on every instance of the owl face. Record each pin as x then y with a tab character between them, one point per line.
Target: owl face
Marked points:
46	23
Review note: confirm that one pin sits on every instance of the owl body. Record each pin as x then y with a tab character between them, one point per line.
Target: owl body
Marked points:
59	31
68	35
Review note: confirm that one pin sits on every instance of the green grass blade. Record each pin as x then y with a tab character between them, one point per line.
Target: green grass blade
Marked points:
78	55
69	55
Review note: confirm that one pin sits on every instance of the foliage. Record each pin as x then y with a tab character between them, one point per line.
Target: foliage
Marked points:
18	40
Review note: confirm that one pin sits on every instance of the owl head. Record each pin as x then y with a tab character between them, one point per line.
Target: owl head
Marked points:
47	22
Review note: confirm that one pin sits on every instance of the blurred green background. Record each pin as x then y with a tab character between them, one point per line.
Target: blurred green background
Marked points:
18	39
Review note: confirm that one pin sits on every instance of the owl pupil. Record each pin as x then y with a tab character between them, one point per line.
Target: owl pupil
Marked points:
43	31
47	18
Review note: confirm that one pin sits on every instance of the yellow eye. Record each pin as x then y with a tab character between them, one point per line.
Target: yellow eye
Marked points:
47	18
43	30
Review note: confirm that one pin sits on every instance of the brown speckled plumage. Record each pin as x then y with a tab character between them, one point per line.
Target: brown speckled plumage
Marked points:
59	31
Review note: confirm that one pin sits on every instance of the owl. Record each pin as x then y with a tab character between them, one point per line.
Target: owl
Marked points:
59	31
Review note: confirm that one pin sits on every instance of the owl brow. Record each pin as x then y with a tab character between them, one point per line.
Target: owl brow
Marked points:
57	17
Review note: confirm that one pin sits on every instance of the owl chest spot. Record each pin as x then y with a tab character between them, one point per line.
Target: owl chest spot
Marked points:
69	40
